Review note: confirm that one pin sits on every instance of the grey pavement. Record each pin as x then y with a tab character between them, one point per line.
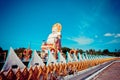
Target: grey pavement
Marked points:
84	74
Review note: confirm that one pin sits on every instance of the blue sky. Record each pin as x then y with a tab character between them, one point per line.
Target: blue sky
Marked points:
86	24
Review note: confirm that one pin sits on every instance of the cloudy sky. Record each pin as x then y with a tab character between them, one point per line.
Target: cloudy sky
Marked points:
86	24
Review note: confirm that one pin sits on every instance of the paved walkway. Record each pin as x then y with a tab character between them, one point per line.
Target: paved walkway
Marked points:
82	75
106	71
110	73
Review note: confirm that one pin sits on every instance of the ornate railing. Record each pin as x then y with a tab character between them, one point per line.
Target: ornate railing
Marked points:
50	72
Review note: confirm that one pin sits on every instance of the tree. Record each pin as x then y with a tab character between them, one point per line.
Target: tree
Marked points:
80	51
117	53
99	52
20	50
65	49
106	52
90	51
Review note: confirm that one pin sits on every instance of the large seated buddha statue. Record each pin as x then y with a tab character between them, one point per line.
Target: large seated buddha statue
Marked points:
54	39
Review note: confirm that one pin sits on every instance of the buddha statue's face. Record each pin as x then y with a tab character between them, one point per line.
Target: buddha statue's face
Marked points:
54	30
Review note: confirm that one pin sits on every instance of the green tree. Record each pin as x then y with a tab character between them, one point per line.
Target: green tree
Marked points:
65	49
99	52
106	52
80	51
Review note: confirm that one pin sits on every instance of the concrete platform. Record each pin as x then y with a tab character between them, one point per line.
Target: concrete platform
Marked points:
96	72
110	73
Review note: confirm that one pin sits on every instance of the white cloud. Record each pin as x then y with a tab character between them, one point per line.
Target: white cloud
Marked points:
113	41
117	35
109	34
112	34
82	40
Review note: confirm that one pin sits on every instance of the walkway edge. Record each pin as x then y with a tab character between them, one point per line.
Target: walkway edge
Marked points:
96	73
